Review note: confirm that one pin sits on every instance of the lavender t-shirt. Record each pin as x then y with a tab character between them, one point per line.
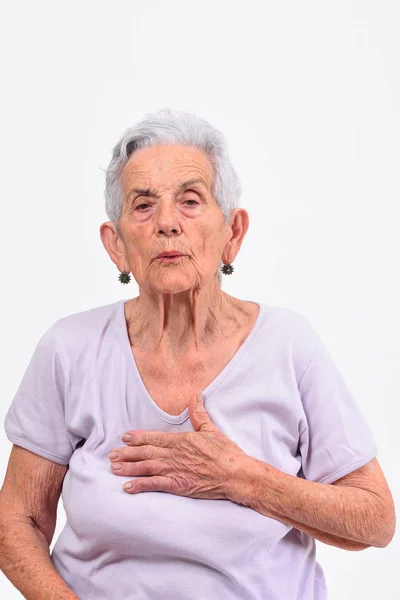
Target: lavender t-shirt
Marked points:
281	398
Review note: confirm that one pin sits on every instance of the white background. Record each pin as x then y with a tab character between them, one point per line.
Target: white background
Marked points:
307	94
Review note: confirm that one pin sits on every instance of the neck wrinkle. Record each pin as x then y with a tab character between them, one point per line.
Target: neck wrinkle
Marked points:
182	327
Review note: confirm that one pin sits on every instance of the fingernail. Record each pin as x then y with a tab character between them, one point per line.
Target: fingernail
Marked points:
127	486
113	455
126	437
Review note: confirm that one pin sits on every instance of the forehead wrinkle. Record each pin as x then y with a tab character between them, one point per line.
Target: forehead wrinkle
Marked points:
190	182
146	172
147	191
173	165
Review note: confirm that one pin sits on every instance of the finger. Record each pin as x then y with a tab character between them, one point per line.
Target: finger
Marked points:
154	438
139	469
137	453
148	484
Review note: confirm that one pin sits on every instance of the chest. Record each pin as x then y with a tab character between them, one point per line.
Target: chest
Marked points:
172	383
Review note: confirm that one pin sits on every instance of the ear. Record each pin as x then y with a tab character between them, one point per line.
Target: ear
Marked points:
238	226
114	245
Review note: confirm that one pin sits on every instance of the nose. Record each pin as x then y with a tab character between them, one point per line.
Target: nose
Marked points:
167	220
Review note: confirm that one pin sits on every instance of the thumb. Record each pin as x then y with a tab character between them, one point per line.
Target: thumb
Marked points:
199	416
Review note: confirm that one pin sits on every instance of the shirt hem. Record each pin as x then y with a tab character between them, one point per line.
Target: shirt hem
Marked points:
349	468
36	450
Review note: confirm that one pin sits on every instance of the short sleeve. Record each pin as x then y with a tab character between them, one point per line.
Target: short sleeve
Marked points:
337	439
36	417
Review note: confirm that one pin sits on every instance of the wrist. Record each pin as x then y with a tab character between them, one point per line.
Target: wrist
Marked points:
244	480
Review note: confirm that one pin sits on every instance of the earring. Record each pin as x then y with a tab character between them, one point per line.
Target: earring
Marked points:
124	277
227	269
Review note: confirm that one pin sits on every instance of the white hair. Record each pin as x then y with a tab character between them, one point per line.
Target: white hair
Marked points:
169	126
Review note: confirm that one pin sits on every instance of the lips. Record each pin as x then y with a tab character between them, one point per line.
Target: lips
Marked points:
169	254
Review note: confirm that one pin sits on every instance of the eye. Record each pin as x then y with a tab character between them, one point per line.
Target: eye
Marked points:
143	204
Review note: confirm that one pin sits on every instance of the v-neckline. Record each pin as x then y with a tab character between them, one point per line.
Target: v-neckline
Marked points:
132	365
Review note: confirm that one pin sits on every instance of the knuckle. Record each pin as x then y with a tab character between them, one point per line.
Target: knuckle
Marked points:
142	468
181	484
148	451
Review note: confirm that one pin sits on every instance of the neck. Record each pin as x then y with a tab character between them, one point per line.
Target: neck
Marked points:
184	322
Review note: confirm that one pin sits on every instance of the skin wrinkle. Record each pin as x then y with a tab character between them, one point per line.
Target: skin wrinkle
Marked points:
344	510
370	478
182	328
34	498
149	192
181	310
28	512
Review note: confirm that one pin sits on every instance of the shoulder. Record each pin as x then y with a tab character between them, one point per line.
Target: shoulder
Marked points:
291	326
82	328
290	335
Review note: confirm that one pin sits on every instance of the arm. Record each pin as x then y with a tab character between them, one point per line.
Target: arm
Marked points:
355	512
28	514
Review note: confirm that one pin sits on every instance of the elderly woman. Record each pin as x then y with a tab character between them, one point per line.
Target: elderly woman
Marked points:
201	442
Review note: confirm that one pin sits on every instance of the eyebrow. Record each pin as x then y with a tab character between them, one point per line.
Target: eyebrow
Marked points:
149	192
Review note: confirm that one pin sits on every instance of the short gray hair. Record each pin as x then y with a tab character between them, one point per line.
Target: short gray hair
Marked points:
169	126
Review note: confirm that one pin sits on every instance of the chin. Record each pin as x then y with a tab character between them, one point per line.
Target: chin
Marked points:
170	285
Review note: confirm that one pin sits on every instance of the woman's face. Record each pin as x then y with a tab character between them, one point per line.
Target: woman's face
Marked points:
168	205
